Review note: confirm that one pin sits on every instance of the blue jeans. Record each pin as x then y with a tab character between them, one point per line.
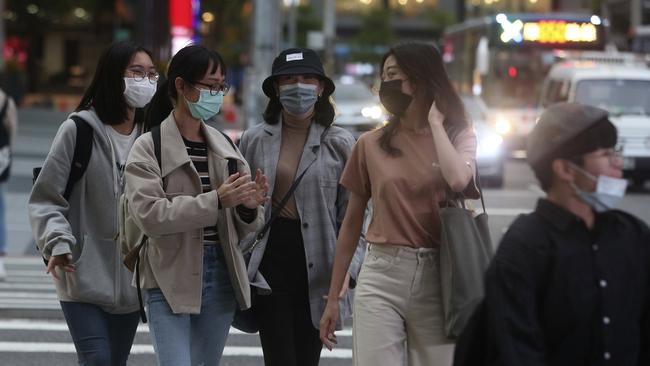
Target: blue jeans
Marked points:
3	223
195	339
100	338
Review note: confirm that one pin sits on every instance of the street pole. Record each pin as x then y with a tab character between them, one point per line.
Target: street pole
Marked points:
329	31
264	47
2	36
293	16
635	14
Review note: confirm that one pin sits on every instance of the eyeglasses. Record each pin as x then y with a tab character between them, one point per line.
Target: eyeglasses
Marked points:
139	74
215	88
615	154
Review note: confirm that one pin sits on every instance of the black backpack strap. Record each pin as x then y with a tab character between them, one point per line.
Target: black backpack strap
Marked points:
82	150
229	140
155	134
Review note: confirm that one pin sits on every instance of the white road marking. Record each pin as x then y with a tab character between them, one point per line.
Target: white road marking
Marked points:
139	349
507	211
58	326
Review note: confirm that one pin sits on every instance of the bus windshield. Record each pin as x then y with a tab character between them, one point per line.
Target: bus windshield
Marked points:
615	95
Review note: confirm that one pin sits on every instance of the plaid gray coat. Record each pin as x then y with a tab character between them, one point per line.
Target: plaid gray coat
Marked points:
321	203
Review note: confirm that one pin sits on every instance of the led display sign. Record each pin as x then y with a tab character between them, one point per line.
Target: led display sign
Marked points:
547	31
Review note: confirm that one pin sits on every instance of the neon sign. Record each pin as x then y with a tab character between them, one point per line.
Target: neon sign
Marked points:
547	31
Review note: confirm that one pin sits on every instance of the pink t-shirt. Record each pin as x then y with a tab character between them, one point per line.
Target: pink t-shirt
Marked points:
405	190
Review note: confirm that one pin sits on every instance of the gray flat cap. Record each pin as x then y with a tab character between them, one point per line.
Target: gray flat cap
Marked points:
559	125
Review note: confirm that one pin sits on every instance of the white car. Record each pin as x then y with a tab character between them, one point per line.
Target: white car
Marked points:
490	152
621	89
358	109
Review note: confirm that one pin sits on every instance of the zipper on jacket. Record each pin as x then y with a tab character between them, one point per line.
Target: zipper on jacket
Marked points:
116	191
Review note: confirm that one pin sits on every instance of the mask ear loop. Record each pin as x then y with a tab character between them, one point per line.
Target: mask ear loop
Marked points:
584	172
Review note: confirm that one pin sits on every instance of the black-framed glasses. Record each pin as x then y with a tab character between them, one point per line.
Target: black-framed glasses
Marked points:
215	88
140	73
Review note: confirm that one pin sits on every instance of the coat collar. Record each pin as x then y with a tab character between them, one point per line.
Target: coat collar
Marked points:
272	142
556	215
174	153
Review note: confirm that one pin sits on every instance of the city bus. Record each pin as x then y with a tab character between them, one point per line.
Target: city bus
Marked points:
504	58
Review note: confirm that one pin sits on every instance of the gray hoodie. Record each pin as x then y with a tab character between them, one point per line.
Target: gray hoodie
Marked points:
86	224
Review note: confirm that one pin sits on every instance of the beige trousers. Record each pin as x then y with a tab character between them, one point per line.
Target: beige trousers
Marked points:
398	315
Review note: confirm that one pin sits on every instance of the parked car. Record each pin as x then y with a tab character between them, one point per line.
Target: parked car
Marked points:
358	109
620	87
490	152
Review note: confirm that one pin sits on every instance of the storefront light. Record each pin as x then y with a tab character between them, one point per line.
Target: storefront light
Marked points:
32	9
80	13
207	17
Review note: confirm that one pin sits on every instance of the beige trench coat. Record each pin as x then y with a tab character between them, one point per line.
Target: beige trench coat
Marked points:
174	213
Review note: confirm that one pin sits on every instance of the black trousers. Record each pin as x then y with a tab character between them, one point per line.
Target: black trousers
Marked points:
286	331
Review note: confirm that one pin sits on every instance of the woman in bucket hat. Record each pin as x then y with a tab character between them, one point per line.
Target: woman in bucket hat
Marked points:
295	256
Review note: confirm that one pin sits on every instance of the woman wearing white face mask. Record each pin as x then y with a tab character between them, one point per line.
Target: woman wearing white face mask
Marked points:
295	254
75	229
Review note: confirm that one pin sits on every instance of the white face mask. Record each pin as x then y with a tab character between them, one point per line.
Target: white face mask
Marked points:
608	194
138	93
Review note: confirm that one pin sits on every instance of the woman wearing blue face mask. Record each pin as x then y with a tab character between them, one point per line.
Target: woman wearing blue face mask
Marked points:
193	210
295	255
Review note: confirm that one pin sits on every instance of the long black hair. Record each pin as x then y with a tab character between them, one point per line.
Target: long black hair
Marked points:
106	91
422	64
323	110
190	64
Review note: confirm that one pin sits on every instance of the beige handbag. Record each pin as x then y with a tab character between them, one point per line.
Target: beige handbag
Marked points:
465	252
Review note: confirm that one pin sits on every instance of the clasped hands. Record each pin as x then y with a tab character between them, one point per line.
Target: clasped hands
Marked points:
242	190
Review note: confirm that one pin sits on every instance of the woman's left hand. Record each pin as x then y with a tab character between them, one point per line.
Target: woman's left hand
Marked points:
260	195
435	117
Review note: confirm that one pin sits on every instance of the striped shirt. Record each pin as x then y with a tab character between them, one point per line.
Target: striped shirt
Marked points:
198	152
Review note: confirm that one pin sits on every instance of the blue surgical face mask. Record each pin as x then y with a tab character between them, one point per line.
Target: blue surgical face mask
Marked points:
608	194
207	106
298	98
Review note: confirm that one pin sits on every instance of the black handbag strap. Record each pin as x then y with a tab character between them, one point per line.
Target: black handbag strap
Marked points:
461	197
285	199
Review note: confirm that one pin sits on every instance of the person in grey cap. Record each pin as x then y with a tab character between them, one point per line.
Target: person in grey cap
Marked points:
570	283
295	254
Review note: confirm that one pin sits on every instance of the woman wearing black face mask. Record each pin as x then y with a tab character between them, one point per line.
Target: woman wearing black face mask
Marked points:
428	147
295	255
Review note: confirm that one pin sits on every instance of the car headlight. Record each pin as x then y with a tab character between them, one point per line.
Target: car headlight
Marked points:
489	145
503	126
373	112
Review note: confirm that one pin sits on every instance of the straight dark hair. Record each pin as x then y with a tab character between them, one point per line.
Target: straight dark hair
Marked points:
323	111
422	64
106	91
190	64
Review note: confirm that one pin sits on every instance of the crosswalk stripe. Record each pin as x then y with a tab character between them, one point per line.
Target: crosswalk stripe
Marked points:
25	286
39	325
29	295
30	273
139	349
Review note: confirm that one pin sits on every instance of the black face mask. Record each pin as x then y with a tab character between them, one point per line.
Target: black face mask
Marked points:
392	97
